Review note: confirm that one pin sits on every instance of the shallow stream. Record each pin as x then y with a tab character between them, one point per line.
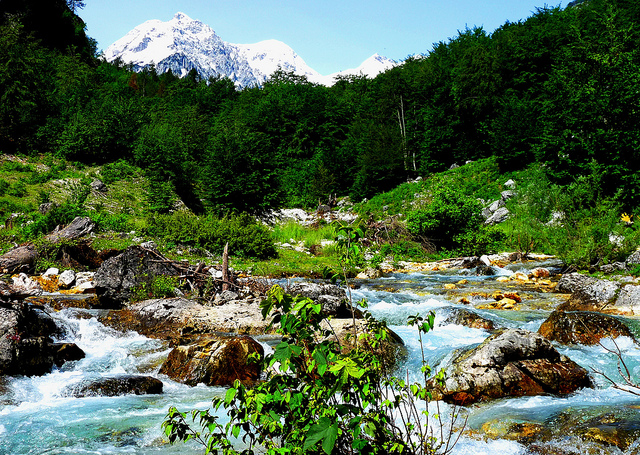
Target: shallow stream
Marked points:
38	417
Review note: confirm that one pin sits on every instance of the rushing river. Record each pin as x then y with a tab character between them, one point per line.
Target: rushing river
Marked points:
38	417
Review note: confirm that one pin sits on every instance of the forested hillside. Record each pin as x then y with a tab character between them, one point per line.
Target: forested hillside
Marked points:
559	88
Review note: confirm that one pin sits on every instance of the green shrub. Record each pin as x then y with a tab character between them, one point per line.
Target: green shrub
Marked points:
16	166
118	222
318	399
245	236
155	287
118	170
4	186
448	219
17	189
43	224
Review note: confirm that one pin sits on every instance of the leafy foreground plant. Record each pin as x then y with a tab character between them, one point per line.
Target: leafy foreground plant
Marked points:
317	399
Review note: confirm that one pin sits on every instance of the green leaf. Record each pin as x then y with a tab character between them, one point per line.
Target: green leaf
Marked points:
323	431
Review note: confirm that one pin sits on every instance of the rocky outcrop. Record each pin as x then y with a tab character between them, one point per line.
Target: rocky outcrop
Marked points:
176	318
588	293
582	327
116	386
510	363
117	277
214	361
79	227
26	347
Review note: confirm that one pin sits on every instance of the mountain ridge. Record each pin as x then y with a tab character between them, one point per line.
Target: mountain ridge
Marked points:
182	44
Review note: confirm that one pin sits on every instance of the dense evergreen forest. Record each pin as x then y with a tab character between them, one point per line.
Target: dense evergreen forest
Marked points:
560	88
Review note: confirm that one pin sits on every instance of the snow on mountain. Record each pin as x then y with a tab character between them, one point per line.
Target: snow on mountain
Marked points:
182	44
268	56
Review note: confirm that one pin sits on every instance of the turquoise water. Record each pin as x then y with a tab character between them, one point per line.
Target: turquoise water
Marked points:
37	416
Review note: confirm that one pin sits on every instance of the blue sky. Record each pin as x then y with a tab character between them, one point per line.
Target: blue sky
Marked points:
330	35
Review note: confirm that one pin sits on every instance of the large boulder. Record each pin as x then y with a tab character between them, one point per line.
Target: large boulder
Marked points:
214	361
115	386
175	319
587	293
117	277
79	227
510	363
582	327
26	347
604	296
628	300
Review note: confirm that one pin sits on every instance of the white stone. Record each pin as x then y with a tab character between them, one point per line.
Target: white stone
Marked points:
51	271
485	260
83	277
66	278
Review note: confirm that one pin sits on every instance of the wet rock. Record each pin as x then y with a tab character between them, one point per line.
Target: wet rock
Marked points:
26	347
608	426
582	327
510	363
116	386
522	431
587	293
214	361
468	318
24	286
67	352
117	277
540	272
66	278
369	274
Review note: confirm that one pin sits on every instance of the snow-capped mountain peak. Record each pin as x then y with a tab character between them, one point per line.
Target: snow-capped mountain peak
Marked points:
182	44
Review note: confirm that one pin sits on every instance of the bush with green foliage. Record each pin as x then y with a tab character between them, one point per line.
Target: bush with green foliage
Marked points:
245	236
575	222
155	287
452	220
317	398
118	170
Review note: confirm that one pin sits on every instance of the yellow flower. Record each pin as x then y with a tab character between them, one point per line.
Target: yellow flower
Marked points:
626	218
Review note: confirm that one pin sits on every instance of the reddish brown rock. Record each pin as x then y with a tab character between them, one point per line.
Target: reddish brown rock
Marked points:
582	327
214	361
510	363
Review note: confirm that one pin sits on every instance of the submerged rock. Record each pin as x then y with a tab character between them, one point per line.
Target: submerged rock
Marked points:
582	327
214	361
510	363
116	386
468	318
